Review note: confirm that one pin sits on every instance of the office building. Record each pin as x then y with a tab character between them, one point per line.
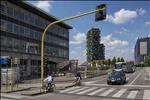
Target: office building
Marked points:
20	33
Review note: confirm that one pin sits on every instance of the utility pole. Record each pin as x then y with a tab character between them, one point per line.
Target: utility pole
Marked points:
100	15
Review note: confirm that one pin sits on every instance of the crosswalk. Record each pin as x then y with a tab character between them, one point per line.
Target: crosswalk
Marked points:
109	92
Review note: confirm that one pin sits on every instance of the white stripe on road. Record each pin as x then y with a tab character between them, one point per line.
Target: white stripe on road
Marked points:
135	79
107	92
12	96
88	90
5	99
132	94
146	94
97	91
119	93
77	90
68	89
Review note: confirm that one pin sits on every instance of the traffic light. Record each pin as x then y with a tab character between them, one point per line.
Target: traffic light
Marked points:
100	15
45	61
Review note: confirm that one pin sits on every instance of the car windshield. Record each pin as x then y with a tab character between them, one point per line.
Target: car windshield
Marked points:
118	66
115	73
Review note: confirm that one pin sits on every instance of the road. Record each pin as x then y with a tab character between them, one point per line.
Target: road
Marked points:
136	88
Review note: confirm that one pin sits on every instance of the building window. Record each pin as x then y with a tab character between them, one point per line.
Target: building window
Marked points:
31	33
2	8
27	34
10	11
16	29
9	27
22	30
16	15
3	24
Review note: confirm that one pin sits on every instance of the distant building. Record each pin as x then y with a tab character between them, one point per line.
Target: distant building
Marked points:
20	35
142	49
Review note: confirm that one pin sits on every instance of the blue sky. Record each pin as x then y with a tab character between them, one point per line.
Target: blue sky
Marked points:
126	21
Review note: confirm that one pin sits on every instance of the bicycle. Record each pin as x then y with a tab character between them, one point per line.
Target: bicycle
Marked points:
50	87
78	81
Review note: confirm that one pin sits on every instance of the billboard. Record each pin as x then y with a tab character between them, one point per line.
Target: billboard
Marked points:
143	48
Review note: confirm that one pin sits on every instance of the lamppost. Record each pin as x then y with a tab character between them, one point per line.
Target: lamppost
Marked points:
100	15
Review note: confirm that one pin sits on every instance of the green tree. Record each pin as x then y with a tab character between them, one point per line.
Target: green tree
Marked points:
118	59
94	48
109	62
114	60
122	60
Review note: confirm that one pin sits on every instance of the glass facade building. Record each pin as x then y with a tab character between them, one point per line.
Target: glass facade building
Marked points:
20	33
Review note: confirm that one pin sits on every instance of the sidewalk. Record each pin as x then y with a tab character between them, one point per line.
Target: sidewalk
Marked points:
33	87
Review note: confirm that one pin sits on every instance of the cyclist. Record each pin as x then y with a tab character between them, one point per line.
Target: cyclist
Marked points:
49	81
78	78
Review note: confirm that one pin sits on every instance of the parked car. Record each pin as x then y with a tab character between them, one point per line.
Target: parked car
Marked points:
117	76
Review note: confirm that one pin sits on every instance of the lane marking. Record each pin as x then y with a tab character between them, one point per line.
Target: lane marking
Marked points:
97	91
69	89
119	93
146	94
77	90
88	90
107	92
147	86
5	99
12	96
132	94
135	78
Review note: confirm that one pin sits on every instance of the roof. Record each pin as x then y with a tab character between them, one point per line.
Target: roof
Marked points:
38	12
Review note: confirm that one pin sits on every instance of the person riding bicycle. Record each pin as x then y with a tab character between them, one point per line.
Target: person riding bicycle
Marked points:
78	78
48	80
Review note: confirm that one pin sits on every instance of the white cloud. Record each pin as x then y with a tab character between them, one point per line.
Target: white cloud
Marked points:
141	11
44	5
112	43
122	16
78	38
147	23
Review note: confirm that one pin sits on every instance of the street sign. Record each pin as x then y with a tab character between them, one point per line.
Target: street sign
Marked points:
100	15
4	61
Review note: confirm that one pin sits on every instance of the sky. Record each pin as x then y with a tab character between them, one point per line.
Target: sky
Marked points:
125	22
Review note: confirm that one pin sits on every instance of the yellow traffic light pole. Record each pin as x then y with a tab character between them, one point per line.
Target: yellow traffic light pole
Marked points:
43	37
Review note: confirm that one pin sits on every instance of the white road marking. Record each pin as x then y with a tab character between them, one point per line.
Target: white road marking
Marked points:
127	78
135	78
148	86
107	92
12	96
132	94
97	91
119	93
146	95
72	88
77	90
88	90
5	99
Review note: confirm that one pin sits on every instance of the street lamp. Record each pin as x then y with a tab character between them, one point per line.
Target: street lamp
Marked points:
56	22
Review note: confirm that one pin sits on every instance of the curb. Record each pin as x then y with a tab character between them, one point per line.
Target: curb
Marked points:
9	91
33	94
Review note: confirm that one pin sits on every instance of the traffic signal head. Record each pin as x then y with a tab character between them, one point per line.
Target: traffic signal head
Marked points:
45	61
100	15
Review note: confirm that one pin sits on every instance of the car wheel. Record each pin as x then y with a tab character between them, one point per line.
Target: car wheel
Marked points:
108	83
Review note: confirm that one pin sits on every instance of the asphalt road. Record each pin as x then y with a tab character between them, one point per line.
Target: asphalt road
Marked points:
136	88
